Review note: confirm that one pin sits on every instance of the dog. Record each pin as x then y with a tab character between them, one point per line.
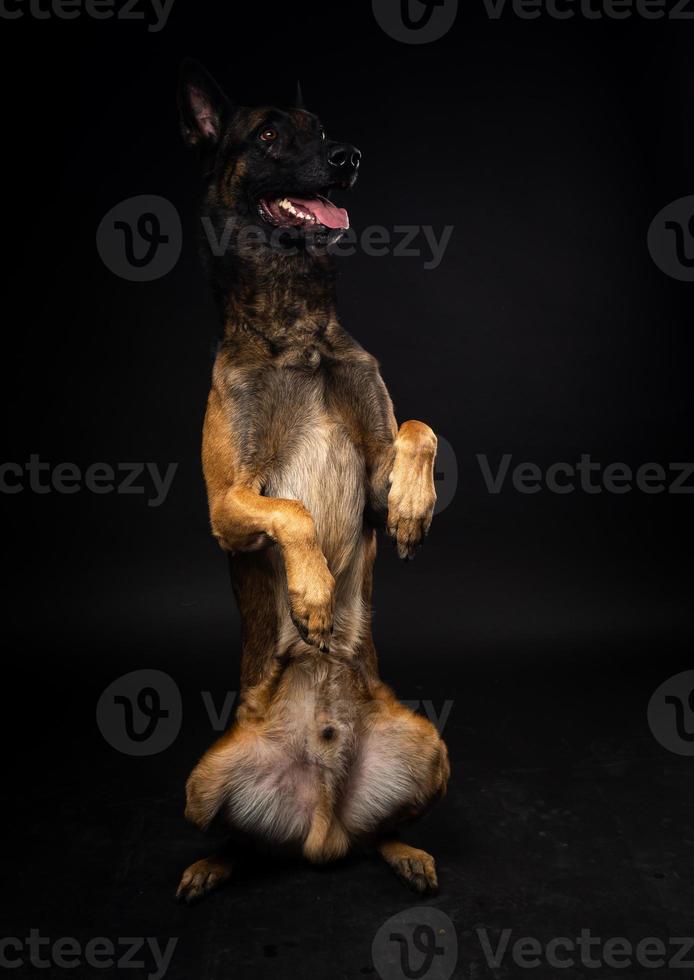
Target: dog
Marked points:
303	462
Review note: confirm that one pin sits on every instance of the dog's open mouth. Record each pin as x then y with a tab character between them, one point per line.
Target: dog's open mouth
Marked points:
299	212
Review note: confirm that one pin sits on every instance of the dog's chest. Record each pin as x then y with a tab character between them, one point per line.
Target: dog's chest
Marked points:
291	433
318	464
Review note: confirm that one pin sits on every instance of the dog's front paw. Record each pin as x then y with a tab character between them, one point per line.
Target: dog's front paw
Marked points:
410	512
412	495
311	598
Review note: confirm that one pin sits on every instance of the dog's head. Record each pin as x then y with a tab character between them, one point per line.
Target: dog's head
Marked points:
271	168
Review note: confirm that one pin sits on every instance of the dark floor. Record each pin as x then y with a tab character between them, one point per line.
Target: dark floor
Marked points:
563	814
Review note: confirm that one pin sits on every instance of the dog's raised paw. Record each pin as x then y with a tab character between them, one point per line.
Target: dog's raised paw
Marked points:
409	518
408	534
201	878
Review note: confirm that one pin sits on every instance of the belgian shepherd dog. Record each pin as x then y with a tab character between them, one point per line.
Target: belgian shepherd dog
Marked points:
303	462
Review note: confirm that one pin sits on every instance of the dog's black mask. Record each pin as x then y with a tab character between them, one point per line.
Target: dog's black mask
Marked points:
268	168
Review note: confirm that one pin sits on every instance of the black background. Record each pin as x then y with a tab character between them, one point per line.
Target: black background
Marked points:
546	332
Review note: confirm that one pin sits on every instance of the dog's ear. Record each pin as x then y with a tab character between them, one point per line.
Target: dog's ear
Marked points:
202	106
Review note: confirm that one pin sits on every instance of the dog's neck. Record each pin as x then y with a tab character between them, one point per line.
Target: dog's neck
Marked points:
289	300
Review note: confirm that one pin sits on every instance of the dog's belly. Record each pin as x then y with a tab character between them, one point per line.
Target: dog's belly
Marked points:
328	752
273	794
325	471
304	745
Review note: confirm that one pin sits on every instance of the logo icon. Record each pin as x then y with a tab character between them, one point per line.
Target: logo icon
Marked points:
671	239
417	944
671	714
140	713
140	239
415	21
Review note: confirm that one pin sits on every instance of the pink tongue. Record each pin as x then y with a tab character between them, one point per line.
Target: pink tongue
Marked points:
324	212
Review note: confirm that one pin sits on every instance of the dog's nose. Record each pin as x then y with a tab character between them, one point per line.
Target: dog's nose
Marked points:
343	155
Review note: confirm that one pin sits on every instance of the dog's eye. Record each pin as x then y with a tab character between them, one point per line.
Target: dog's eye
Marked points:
322	134
268	135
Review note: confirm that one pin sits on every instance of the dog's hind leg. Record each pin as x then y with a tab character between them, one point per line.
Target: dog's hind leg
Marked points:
401	769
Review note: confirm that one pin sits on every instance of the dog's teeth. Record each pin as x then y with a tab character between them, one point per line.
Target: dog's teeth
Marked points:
286	205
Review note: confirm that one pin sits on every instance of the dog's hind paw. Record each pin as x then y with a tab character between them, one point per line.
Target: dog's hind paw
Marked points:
414	867
203	877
